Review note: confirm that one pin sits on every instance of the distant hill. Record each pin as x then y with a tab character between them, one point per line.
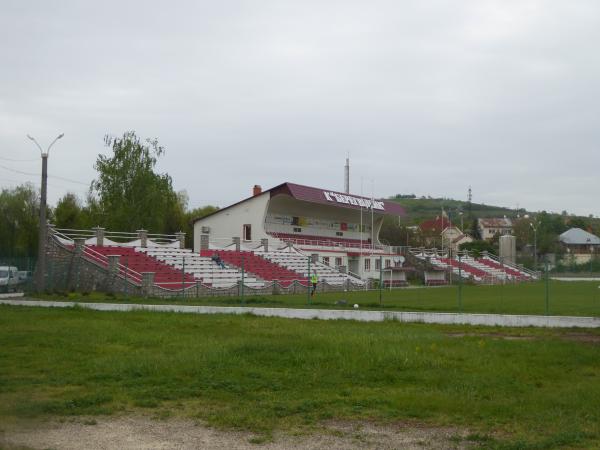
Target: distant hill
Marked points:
419	209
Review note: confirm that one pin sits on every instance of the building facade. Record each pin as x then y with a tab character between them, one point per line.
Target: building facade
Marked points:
341	230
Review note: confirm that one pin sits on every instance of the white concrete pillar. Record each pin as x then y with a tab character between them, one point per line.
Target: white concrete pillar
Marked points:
143	235
180	236
99	236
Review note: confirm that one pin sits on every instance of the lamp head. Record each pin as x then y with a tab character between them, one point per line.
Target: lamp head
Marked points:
60	135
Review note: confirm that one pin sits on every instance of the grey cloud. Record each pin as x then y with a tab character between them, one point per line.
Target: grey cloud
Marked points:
428	97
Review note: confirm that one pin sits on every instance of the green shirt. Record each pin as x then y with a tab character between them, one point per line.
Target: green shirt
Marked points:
314	278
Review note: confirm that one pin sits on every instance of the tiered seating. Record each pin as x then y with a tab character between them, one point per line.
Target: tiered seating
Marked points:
478	268
257	266
444	263
322	241
514	273
165	276
201	267
477	274
299	264
489	270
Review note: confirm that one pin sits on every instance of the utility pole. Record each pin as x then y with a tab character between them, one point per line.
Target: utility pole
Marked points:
41	264
534	245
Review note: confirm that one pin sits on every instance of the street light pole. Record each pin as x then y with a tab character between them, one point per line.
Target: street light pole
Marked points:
41	264
534	245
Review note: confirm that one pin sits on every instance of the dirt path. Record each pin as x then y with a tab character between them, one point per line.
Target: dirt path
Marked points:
136	433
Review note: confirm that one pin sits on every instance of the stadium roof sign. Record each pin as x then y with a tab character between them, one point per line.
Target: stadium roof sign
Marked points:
327	197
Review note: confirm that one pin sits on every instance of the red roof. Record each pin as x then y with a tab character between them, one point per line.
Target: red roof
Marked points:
327	197
438	224
335	198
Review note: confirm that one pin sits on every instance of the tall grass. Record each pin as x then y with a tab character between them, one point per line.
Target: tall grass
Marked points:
263	374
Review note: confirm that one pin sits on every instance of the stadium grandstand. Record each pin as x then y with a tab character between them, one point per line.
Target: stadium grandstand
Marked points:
339	231
272	241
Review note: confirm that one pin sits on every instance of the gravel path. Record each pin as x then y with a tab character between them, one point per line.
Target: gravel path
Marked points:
136	433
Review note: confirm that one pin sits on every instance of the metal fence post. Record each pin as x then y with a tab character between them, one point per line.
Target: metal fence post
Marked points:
308	284
126	270
380	278
183	278
547	305
242	285
459	283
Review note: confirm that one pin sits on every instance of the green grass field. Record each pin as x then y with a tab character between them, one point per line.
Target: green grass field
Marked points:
565	298
512	388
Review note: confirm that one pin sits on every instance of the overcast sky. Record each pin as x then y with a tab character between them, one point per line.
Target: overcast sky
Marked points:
428	97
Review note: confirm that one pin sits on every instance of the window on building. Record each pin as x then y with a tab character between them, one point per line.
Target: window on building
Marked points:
339	233
388	263
247	232
326	260
297	230
367	264
377	264
338	262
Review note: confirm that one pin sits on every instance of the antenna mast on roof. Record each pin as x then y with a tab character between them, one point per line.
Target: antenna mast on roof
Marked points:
347	175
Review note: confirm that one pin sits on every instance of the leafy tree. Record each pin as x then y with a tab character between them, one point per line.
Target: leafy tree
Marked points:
479	246
397	234
577	222
69	213
190	216
523	232
19	219
128	194
474	230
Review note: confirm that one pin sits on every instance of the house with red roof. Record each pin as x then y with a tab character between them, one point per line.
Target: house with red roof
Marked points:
440	232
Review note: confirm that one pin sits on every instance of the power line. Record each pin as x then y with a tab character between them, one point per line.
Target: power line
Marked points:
16	183
18	160
19	171
37	175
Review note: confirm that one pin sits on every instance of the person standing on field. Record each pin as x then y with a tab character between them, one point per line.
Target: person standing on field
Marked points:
314	279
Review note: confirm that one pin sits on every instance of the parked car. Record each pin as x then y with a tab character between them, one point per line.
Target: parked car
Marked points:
24	276
9	278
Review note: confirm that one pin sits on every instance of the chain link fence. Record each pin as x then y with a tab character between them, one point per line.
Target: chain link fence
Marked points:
70	271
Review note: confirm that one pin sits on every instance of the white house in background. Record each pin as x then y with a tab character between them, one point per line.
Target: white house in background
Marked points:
489	227
452	237
580	245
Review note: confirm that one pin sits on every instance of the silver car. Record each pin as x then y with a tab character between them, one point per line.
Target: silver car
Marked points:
9	278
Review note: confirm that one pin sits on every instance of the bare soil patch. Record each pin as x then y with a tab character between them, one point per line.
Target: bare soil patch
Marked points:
136	433
585	337
507	337
582	337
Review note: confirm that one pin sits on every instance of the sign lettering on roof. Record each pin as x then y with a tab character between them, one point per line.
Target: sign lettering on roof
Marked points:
350	200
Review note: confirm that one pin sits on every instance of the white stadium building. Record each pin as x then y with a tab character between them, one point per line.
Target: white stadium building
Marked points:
338	230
